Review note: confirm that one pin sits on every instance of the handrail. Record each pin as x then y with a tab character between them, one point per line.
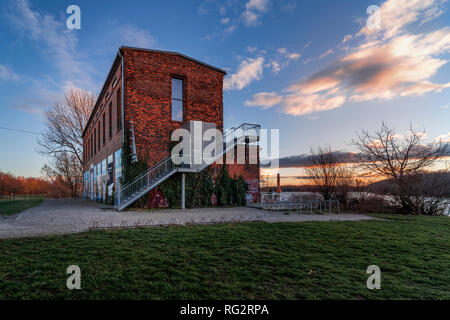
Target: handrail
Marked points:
159	164
232	129
159	172
145	172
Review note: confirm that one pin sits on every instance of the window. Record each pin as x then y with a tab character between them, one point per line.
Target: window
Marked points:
99	144
95	141
104	125
177	99
110	120
119	110
114	83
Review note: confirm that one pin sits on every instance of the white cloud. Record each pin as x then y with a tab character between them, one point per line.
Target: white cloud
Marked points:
298	104
224	20
432	14
329	52
7	74
348	37
288	6
282	59
323	55
397	14
54	40
249	70
257	5
294	56
276	68
254	9
444	138
230	29
264	99
132	36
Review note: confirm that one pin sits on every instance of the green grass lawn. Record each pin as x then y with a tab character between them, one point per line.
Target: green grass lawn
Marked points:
309	260
12	206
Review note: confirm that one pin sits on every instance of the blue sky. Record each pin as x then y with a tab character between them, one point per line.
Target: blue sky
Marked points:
309	68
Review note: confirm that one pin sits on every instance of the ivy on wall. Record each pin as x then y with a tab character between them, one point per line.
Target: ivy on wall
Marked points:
200	188
229	191
131	169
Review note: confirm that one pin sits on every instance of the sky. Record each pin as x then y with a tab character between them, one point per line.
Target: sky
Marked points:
319	71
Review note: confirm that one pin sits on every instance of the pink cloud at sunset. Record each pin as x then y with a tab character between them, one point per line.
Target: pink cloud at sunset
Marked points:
388	63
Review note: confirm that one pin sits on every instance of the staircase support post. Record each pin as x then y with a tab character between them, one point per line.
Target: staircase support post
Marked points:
118	193
183	187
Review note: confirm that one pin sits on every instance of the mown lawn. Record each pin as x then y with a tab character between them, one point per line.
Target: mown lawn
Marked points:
12	206
309	260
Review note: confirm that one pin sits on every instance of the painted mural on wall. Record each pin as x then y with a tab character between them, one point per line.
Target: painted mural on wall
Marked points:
253	190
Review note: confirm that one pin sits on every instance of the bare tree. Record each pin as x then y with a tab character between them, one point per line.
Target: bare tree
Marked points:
403	161
67	167
345	183
326	171
65	123
62	140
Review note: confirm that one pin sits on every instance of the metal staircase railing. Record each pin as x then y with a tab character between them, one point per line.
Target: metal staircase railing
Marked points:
164	169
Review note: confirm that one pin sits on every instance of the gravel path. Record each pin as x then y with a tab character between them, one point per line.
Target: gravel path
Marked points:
62	216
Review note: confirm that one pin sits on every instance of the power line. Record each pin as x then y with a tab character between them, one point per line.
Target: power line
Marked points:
20	130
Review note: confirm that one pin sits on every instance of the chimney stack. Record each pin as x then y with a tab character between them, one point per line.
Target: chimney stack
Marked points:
278	183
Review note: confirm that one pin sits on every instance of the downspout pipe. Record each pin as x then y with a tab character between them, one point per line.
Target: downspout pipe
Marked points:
122	95
122	98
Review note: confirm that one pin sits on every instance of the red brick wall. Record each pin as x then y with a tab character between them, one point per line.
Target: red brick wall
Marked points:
148	98
115	142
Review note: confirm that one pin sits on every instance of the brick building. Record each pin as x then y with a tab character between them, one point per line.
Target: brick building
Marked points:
146	96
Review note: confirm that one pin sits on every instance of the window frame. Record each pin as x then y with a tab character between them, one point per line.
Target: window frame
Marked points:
182	100
99	136
104	128
110	120
119	110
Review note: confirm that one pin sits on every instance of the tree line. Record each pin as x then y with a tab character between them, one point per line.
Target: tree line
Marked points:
11	185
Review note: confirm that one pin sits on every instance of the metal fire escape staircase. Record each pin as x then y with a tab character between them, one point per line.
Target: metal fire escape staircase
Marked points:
129	193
